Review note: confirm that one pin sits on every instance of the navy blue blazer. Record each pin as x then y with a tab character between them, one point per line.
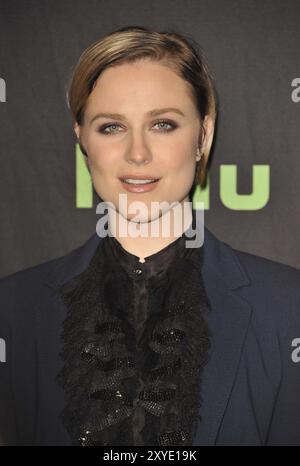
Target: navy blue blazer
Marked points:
251	385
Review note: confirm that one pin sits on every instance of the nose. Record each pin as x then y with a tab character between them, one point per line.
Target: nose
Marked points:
138	152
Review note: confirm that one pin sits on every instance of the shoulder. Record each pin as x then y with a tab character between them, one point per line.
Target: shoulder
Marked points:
254	271
271	288
268	272
26	281
273	291
270	278
21	290
259	274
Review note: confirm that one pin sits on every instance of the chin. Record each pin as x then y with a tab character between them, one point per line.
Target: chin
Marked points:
141	217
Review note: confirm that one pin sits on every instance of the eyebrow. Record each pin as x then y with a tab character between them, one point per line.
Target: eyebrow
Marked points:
154	112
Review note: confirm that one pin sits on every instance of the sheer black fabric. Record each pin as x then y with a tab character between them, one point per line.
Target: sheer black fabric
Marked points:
135	344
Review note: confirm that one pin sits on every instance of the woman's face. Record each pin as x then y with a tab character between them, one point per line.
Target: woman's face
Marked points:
135	142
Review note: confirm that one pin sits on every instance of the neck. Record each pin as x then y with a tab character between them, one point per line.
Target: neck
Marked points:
146	238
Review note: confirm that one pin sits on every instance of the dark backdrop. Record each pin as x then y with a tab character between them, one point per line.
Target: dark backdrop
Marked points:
253	51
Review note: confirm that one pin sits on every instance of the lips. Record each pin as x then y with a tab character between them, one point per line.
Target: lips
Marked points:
139	187
138	177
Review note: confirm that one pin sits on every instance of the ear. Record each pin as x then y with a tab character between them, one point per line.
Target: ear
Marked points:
77	130
209	126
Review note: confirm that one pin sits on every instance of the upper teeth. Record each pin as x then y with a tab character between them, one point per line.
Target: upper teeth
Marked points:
129	180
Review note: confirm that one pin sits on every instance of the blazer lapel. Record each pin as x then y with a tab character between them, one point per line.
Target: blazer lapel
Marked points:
229	320
50	314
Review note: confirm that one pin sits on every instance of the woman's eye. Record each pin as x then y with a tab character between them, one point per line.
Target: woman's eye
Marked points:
163	122
109	129
105	127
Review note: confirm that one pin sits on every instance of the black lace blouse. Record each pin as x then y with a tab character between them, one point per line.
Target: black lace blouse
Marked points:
135	342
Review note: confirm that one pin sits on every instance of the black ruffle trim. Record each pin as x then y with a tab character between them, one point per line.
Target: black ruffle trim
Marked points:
121	391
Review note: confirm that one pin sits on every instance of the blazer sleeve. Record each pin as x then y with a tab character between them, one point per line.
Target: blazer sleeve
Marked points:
285	425
8	427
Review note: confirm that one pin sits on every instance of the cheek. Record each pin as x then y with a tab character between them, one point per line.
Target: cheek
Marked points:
102	164
98	152
181	159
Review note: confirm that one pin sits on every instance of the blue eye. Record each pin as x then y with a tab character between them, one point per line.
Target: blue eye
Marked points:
164	122
103	128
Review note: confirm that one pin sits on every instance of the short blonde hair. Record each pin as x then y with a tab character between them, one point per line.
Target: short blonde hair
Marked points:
132	43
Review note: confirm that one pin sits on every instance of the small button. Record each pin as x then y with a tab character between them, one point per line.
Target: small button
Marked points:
138	271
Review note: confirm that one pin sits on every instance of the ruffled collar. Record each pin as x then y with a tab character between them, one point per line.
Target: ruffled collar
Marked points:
108	378
154	265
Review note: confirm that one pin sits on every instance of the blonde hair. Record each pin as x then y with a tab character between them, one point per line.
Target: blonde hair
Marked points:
132	43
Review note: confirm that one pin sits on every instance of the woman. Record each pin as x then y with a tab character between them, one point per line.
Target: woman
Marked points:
143	340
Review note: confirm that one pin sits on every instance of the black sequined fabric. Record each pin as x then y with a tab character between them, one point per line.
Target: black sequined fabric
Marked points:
135	341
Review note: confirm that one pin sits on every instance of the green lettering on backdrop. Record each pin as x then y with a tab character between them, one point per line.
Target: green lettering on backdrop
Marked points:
84	186
228	187
260	188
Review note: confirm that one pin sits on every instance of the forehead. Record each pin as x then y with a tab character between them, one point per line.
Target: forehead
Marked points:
144	83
